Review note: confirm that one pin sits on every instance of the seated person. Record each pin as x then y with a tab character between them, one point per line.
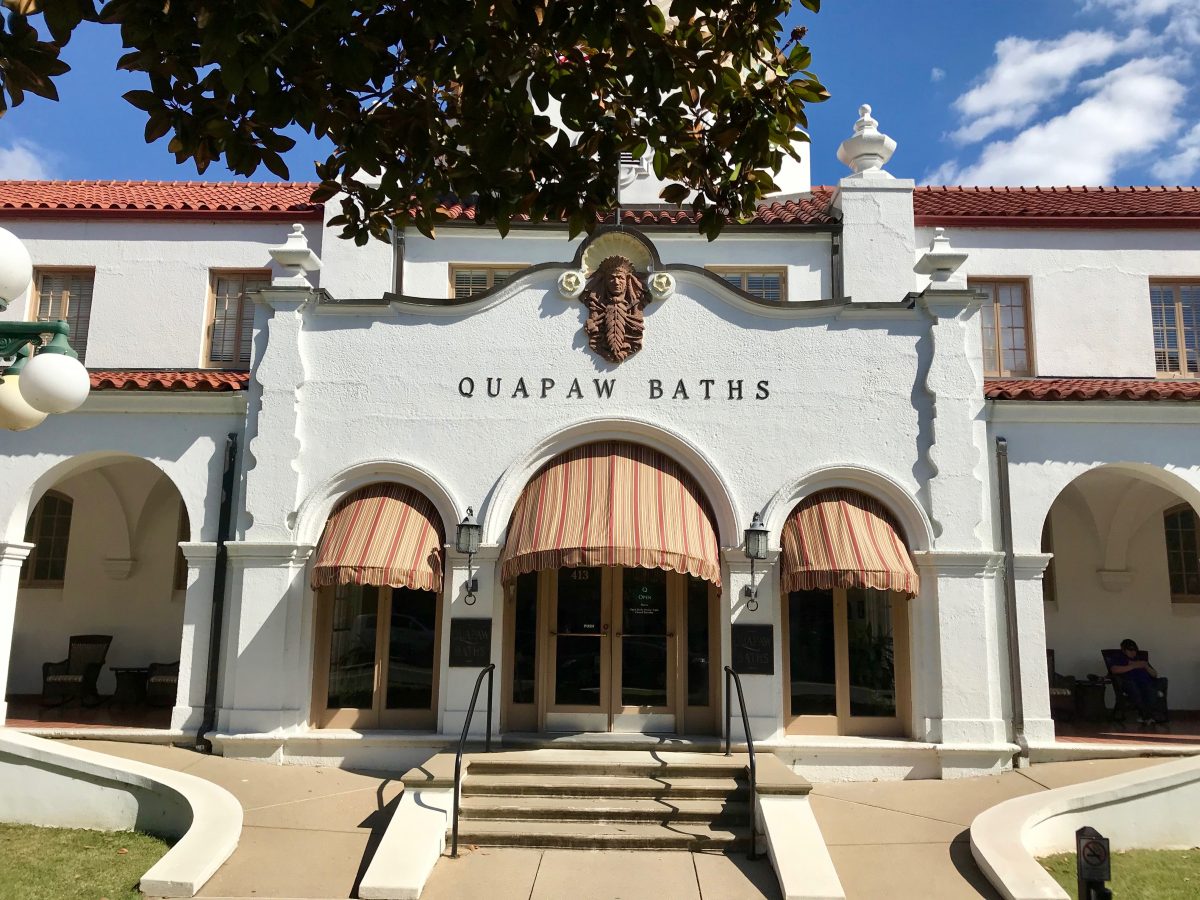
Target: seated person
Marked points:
1139	681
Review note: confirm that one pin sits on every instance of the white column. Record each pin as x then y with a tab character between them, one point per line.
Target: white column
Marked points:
194	642
455	683
1031	635
960	591
12	555
266	662
764	693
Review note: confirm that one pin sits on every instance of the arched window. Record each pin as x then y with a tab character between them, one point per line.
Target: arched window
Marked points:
1183	554
49	530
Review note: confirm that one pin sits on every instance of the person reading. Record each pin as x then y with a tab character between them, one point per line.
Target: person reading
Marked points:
1140	682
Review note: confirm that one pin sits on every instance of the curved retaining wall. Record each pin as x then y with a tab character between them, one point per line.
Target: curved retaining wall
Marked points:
1152	808
52	784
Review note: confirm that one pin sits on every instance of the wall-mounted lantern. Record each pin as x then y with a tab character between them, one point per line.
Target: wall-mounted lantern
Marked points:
466	540
755	538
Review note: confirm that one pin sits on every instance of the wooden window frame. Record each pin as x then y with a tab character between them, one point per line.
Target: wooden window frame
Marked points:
490	268
744	271
32	531
1175	510
1049	578
183	533
997	364
35	300
1176	283
210	315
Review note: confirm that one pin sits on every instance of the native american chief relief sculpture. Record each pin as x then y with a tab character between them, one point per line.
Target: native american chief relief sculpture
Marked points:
615	298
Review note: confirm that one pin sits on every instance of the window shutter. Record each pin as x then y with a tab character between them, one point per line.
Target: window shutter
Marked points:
469	282
233	319
67	295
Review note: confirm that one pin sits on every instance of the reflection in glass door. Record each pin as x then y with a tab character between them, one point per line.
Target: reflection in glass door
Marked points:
580	647
643	645
373	677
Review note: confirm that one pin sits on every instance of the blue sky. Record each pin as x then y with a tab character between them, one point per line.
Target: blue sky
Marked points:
974	91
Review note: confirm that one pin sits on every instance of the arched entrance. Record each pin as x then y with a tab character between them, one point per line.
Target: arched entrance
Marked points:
378	577
611	572
101	599
846	579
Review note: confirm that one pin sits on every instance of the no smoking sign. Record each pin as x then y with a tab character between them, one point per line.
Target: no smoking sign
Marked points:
1091	852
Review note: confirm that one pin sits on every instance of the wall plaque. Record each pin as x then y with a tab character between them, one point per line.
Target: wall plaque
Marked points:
470	642
753	649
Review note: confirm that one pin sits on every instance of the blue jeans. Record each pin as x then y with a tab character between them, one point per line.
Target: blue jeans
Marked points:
1144	695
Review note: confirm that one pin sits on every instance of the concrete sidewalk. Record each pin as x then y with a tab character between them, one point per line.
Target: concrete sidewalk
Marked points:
310	832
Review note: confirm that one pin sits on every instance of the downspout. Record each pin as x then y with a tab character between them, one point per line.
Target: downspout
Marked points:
224	524
398	262
1010	600
837	275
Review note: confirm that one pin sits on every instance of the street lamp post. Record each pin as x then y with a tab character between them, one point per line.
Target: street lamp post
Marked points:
44	374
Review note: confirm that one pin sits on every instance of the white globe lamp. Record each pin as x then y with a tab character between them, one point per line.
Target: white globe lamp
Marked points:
16	268
15	413
55	381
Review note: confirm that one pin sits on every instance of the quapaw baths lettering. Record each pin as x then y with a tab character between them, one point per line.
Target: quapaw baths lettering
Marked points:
606	388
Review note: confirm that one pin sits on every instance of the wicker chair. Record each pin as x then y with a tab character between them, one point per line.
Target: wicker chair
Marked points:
1062	692
162	683
75	677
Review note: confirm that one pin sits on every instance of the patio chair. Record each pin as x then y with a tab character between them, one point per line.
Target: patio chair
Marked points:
1062	692
1121	700
74	678
162	683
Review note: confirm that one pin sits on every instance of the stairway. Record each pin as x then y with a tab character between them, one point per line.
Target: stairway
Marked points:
598	800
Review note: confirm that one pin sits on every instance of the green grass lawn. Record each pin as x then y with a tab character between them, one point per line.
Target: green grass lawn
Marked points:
1139	874
74	864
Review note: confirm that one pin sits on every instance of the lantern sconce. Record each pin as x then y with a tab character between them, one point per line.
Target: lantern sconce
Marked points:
755	538
466	540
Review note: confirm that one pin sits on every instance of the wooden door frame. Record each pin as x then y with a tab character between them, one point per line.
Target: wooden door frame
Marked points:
549	666
675	585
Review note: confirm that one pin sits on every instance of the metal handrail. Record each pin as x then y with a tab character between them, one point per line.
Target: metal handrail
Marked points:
462	743
732	677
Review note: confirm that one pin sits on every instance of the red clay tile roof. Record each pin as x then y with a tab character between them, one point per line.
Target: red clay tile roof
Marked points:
1080	207
167	380
1089	389
193	199
809	210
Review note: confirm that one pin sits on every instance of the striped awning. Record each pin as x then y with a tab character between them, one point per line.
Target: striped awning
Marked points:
383	534
843	538
612	504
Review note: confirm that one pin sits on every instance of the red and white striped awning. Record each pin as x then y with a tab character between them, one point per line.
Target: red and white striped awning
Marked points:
383	534
843	538
612	503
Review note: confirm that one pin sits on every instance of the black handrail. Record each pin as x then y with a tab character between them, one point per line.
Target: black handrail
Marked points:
732	676
462	743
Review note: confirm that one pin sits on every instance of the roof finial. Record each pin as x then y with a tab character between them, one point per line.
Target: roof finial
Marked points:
868	150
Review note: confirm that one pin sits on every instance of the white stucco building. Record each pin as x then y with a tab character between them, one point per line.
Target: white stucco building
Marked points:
829	366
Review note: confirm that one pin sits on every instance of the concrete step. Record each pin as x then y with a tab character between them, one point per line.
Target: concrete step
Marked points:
554	809
596	764
608	786
614	836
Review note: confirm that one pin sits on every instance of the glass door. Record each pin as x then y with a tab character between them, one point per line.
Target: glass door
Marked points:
376	658
643	649
580	649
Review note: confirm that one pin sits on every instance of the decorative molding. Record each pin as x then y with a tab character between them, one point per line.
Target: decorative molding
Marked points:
192	403
119	568
199	552
615	297
1114	580
959	563
1094	412
14	551
265	554
1030	566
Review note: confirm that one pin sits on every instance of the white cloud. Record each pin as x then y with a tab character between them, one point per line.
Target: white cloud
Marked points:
1131	111
1184	164
1183	23
1029	74
24	159
936	74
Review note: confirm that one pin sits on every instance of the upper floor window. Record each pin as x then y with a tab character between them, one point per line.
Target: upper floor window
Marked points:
469	280
231	328
49	529
66	294
1175	317
1183	554
757	281
1005	316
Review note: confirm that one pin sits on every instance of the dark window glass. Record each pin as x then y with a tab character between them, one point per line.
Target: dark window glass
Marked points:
1183	553
697	642
525	640
872	662
811	651
579	642
411	645
49	530
644	638
352	648
579	601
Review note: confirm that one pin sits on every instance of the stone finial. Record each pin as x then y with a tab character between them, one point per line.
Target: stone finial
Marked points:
296	258
941	263
868	150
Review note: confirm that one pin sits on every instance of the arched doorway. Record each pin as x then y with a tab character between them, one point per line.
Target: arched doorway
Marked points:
611	572
101	599
378	577
846	579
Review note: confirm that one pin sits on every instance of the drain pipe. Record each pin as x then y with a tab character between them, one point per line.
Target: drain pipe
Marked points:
1010	600
224	524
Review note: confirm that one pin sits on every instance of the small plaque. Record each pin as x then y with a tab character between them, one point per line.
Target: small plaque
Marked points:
1091	856
753	649
470	642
